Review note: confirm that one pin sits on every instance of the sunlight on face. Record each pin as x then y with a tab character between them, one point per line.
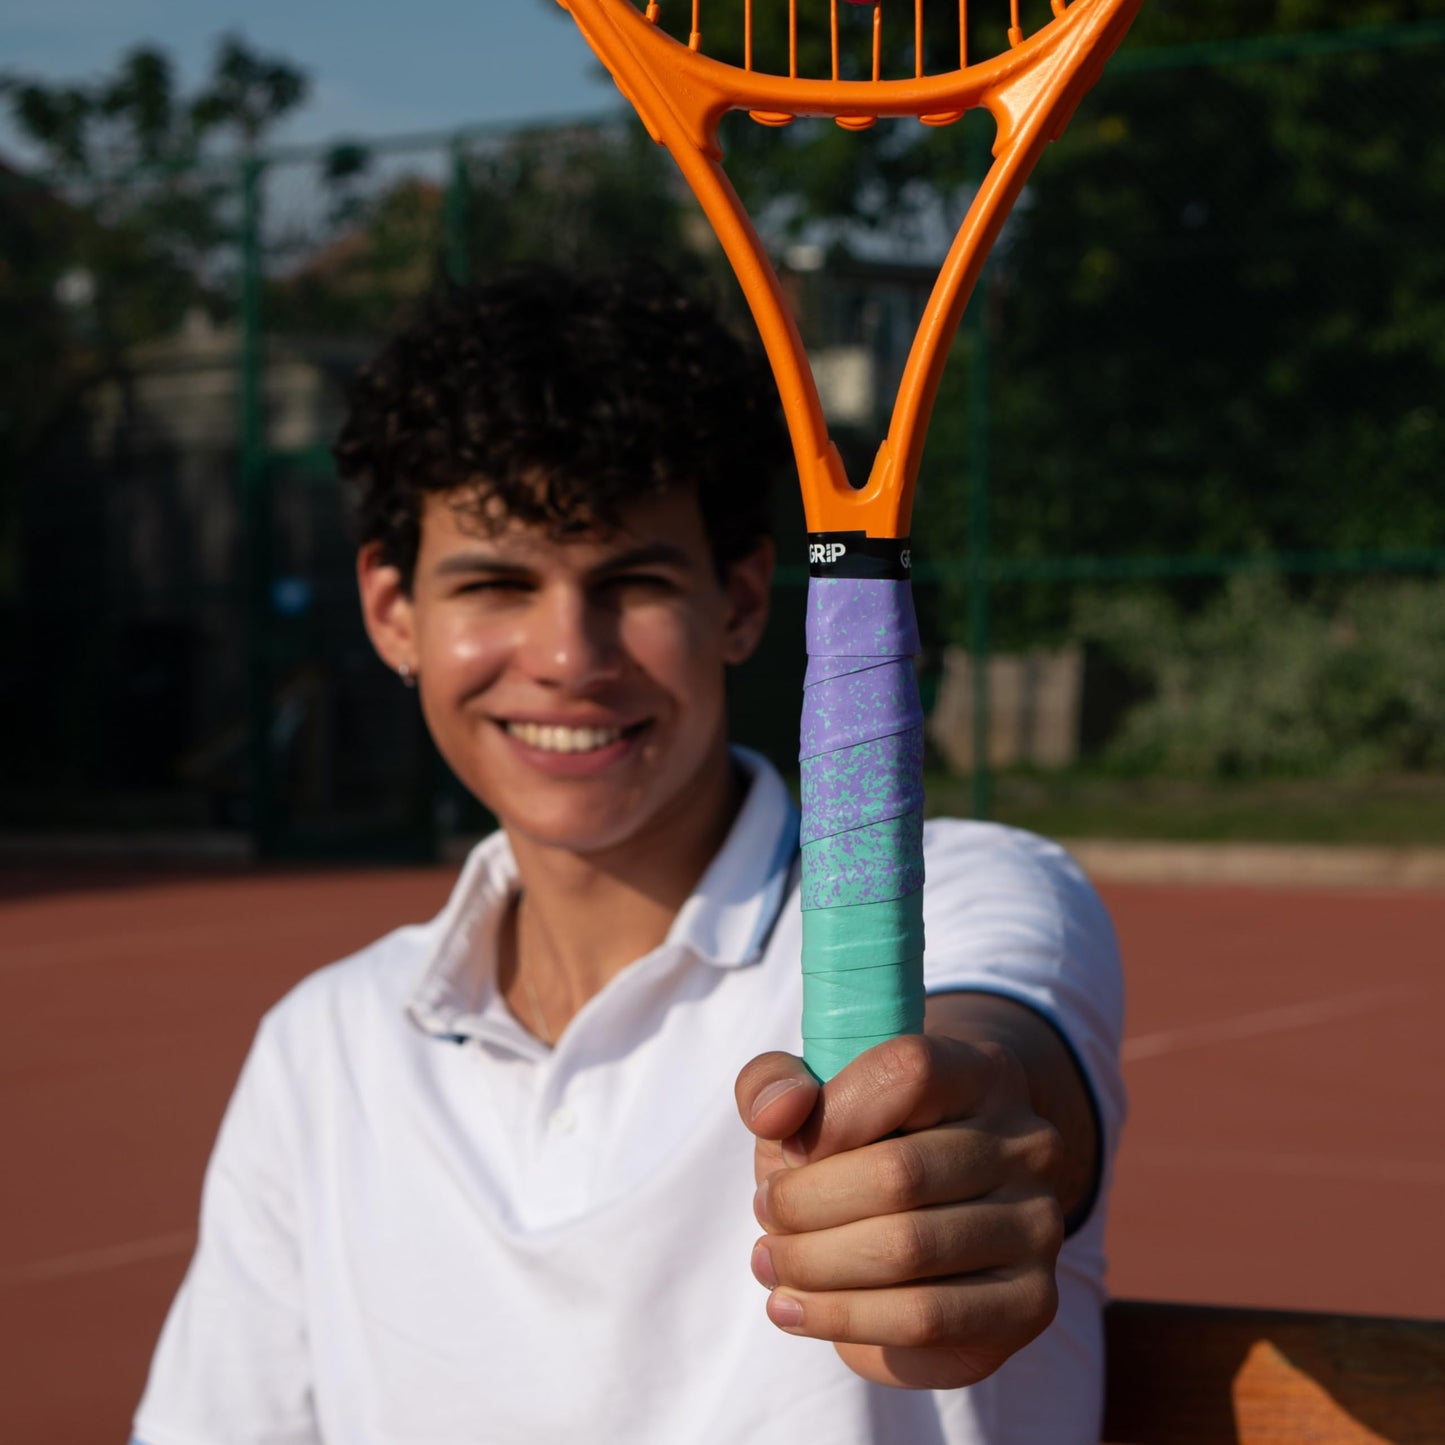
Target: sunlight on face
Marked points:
577	687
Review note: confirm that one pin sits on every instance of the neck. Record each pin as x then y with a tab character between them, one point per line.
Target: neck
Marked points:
580	919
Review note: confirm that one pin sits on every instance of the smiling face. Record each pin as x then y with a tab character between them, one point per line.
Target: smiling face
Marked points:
576	687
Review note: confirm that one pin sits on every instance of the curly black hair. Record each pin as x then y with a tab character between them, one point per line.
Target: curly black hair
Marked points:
560	398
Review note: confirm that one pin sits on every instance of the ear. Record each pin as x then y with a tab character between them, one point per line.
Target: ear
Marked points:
749	587
386	609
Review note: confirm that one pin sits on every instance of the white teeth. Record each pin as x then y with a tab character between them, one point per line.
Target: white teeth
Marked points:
551	738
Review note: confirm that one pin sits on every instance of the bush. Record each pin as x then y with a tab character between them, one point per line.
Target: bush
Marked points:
1259	684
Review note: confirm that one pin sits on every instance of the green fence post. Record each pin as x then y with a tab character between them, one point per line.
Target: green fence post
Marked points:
457	253
255	515
976	330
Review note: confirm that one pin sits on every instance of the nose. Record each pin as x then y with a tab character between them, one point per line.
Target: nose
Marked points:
568	641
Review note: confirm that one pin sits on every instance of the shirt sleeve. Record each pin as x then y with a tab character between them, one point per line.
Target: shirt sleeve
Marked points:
232	1364
1010	913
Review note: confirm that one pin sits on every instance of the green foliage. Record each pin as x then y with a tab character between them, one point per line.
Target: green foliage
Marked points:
122	237
135	118
578	196
1258	684
1217	324
583	196
126	232
1219	306
1217	320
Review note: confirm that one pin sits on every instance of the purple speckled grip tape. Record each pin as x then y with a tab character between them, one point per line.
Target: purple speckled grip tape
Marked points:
861	617
862	786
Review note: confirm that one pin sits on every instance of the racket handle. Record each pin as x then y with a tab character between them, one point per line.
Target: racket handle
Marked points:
862	828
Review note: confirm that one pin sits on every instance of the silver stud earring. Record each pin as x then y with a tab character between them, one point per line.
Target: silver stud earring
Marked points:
405	673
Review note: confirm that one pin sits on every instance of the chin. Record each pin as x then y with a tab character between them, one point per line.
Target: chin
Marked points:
583	842
571	830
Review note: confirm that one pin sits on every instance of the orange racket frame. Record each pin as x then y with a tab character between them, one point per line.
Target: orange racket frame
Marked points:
681	95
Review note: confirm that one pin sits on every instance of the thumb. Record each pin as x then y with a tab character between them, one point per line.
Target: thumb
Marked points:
776	1093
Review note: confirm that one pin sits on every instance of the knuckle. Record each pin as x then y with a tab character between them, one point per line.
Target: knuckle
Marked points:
907	1063
925	1319
782	1208
902	1174
1039	1150
908	1248
1003	1063
1038	1300
1048	1150
786	1268
1045	1226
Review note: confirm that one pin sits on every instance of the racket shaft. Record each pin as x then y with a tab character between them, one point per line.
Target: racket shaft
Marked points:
862	831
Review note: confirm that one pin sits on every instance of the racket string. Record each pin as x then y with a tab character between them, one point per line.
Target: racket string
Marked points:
873	68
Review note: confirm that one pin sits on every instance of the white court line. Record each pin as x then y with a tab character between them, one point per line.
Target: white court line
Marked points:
94	1261
1266	1021
1294	1166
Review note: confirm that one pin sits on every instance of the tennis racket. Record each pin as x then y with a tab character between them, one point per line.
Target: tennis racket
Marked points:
862	724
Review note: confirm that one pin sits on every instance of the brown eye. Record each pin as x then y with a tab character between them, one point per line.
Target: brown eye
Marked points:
642	582
497	585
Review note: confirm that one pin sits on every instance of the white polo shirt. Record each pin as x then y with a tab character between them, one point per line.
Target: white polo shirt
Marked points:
420	1226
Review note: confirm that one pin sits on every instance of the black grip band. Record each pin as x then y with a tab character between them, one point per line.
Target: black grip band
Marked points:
856	554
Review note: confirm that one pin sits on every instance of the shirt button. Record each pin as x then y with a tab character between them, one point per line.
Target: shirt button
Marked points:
561	1121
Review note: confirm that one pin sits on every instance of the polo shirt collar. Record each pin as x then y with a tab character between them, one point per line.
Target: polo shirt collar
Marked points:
731	913
726	922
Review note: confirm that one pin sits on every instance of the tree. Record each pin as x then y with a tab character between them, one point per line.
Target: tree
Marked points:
581	195
1217	318
128	154
1222	314
127	227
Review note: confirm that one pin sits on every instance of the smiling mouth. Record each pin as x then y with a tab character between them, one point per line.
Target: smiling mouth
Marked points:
556	738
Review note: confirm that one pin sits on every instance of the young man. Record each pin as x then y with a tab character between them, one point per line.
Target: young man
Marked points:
487	1180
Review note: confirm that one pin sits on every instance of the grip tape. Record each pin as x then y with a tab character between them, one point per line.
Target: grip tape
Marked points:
862	830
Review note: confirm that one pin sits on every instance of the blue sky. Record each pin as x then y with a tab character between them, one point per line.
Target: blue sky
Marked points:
377	68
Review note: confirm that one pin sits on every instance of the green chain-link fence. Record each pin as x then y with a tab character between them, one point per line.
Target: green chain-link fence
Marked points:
1210	348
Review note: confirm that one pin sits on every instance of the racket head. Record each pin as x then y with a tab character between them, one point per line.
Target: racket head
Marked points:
861	747
1031	86
930	76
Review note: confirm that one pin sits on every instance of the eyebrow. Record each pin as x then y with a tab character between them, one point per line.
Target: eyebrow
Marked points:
649	554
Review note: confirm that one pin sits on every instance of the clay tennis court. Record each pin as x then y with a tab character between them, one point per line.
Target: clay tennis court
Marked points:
1284	1057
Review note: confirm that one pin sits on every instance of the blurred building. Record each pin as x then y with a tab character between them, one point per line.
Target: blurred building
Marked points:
133	534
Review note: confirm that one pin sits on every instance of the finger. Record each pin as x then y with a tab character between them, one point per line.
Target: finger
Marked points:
775	1093
922	1244
951	1164
908	1083
998	1310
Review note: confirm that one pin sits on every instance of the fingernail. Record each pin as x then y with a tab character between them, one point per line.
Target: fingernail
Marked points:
773	1093
794	1154
760	1204
784	1311
763	1265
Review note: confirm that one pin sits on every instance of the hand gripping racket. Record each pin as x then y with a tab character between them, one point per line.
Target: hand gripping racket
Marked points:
862	726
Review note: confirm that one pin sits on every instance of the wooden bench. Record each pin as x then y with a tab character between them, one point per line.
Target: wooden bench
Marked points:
1193	1375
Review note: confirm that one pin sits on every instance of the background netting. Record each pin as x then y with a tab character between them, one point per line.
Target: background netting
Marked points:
1183	486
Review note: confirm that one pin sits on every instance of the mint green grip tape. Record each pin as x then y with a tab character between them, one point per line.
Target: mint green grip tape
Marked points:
840	940
862	830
